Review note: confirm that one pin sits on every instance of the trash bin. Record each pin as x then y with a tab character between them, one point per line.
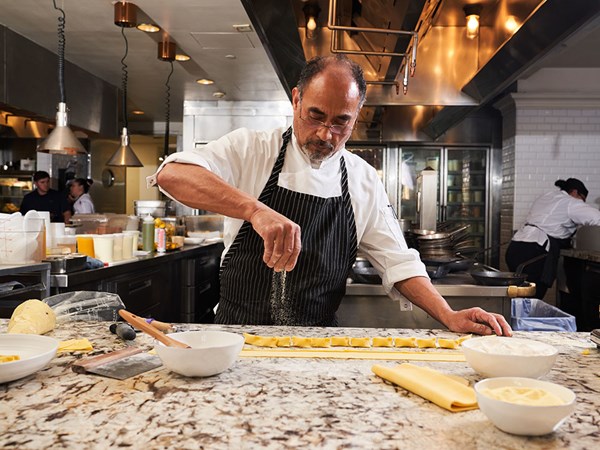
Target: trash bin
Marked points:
532	314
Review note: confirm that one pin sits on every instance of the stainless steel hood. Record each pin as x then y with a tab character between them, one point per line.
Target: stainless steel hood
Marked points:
29	92
455	76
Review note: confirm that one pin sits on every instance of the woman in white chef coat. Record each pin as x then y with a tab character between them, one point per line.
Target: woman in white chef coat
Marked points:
299	206
550	224
78	193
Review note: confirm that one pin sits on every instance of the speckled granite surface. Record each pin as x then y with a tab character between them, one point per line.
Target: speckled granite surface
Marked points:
272	403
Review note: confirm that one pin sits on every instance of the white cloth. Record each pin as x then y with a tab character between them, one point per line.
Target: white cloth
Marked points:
244	158
84	205
558	215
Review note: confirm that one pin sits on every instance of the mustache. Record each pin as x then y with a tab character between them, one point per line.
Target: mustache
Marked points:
321	144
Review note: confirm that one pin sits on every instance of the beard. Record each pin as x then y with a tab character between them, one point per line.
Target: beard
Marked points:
318	150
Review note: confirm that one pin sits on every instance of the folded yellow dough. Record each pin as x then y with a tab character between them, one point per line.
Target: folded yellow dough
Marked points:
32	317
261	341
75	345
405	342
360	342
340	341
320	342
298	341
443	390
383	341
447	343
426	342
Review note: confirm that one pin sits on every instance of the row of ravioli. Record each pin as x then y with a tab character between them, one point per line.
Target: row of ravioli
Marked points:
347	341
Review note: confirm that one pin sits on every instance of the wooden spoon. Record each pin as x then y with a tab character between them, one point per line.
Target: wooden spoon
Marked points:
140	323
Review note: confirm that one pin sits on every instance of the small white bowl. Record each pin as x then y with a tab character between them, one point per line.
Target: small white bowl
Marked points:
525	420
495	356
212	352
34	351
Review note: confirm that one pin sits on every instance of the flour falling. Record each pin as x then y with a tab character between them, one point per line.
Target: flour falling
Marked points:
281	305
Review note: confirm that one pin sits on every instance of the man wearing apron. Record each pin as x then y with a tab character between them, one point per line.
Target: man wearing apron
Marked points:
299	206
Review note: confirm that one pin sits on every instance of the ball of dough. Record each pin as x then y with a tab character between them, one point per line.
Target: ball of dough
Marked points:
32	317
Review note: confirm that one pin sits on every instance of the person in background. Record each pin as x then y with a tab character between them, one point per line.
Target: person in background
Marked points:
299	206
79	195
550	224
43	198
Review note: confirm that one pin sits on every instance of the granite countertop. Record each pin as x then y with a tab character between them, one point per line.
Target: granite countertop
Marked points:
587	255
272	403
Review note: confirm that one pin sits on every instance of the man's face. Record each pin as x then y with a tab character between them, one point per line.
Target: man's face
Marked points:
43	185
325	116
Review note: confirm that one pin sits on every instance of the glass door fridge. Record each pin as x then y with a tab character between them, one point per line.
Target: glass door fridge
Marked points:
464	190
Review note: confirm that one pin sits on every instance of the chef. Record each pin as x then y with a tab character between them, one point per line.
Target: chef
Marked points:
549	226
299	206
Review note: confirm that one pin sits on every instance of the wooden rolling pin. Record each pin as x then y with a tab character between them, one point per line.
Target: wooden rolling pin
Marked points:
521	291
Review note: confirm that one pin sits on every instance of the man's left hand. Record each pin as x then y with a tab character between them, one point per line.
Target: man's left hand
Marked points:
478	321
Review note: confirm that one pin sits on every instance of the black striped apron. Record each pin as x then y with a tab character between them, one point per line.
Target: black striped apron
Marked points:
309	295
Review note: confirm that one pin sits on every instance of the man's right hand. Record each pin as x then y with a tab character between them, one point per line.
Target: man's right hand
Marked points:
281	237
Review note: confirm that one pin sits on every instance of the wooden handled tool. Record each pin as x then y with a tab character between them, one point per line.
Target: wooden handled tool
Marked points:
141	324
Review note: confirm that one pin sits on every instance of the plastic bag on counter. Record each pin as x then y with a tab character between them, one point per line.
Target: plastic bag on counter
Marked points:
532	314
85	305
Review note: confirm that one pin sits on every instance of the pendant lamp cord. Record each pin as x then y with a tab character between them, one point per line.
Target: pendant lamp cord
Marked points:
168	111
61	54
125	74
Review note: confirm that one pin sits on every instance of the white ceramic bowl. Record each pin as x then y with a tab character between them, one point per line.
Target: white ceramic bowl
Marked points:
493	356
212	352
35	353
525	420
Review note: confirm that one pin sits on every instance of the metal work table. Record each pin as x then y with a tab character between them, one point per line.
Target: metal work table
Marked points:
367	305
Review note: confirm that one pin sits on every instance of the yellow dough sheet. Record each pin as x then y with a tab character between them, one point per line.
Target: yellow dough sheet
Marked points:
351	353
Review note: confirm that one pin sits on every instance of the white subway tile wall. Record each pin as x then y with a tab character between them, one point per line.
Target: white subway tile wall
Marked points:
551	144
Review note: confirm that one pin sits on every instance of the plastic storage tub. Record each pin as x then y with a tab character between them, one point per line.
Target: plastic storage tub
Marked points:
532	314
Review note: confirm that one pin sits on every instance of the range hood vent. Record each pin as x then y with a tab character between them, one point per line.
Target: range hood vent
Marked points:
455	75
28	89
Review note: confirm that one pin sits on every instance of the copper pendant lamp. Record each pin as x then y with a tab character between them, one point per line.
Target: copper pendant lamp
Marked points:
125	17
61	140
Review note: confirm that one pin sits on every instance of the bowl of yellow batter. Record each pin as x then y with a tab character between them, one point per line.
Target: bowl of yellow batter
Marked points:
524	406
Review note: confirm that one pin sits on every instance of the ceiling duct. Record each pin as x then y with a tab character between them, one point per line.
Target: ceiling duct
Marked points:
456	75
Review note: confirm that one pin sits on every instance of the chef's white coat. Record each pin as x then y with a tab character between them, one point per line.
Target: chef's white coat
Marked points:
244	158
558	215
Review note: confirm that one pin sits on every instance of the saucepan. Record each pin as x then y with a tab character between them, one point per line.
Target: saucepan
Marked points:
498	278
364	272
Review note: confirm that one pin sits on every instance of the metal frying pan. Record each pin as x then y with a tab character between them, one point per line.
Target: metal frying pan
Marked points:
493	278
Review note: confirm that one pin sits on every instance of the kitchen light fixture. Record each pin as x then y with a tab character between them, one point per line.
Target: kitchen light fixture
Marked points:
311	14
511	24
182	57
472	13
148	27
169	56
61	140
124	156
218	94
204	81
167	50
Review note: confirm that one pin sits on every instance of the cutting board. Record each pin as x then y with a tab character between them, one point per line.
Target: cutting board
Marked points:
120	364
